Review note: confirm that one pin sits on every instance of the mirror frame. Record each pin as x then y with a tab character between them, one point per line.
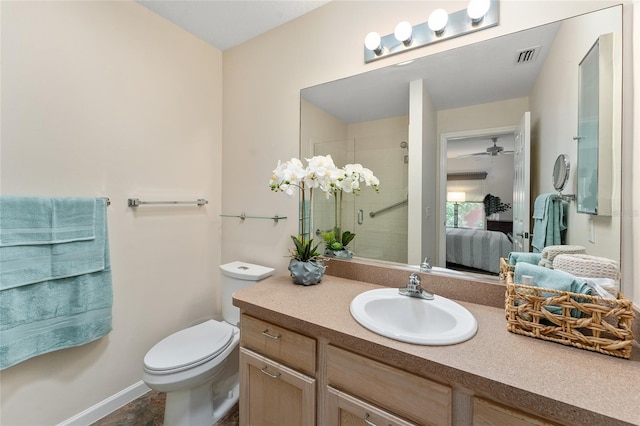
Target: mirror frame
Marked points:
561	172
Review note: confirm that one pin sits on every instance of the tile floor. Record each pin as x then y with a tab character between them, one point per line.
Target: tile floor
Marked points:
148	410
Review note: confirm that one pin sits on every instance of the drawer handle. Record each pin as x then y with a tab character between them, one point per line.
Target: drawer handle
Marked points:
271	336
367	421
273	376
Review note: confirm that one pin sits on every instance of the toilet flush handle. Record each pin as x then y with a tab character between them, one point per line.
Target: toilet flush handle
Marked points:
271	336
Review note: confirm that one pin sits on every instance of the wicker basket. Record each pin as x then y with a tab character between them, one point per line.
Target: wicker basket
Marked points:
505	268
604	325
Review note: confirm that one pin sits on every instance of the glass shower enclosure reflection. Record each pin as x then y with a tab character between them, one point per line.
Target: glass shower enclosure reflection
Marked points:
381	231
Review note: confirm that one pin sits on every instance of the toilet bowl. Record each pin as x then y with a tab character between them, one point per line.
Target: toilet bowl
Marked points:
198	367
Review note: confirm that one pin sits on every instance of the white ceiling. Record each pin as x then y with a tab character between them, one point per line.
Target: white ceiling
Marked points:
224	23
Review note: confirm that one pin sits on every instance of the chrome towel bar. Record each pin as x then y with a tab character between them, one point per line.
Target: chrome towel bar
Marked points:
242	216
135	202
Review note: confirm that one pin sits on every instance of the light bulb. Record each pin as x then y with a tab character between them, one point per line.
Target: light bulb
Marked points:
477	9
372	42
403	32
438	21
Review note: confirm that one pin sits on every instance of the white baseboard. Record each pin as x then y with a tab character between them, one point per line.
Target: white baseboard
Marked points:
108	406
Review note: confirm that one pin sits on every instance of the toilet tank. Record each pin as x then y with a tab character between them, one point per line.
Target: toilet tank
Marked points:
236	276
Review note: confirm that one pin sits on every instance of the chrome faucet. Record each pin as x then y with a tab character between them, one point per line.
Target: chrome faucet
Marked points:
425	266
414	289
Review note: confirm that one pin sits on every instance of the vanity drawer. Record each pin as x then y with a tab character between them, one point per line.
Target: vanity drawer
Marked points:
283	345
409	396
487	413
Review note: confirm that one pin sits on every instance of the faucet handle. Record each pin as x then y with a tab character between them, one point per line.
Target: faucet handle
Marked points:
414	281
425	266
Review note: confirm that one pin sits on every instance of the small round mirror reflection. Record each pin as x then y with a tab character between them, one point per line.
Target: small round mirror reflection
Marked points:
561	172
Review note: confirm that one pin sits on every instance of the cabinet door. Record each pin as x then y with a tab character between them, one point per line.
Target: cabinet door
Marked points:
274	395
345	410
487	413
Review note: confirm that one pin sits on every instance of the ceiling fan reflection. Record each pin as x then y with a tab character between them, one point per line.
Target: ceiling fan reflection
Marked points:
491	150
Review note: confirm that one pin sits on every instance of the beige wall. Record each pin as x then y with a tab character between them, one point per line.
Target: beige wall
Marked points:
484	116
109	99
554	123
139	101
320	127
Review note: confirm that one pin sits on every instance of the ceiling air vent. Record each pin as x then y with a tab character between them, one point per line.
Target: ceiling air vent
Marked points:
527	55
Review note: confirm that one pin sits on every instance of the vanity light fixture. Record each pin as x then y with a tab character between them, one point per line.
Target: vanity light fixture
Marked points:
477	9
403	32
479	15
438	21
373	43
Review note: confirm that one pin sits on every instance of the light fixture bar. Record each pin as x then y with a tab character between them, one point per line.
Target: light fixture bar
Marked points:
459	24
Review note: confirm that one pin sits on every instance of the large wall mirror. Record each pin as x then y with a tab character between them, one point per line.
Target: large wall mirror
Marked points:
443	134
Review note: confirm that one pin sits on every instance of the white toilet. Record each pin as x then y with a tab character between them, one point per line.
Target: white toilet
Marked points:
198	367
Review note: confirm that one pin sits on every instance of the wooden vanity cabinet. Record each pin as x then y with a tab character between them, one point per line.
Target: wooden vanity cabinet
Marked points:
346	410
280	372
277	366
488	413
361	384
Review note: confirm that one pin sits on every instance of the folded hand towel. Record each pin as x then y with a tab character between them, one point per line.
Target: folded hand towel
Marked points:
549	225
550	252
540	218
520	256
584	265
603	287
45	220
554	280
550	278
540	206
545	263
28	264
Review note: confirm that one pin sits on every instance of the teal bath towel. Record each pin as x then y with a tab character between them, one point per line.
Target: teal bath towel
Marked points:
27	264
54	314
552	279
45	220
46	317
549	221
520	256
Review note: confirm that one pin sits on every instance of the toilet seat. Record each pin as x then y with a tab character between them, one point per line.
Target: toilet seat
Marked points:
189	348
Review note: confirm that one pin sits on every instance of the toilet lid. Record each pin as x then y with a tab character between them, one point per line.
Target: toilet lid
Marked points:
189	346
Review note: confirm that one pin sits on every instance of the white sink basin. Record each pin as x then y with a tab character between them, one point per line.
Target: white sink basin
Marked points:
440	270
408	319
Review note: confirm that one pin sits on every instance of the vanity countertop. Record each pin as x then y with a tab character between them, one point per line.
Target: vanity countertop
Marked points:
560	382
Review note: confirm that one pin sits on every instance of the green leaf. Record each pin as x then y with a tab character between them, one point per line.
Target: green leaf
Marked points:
329	236
347	237
304	252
